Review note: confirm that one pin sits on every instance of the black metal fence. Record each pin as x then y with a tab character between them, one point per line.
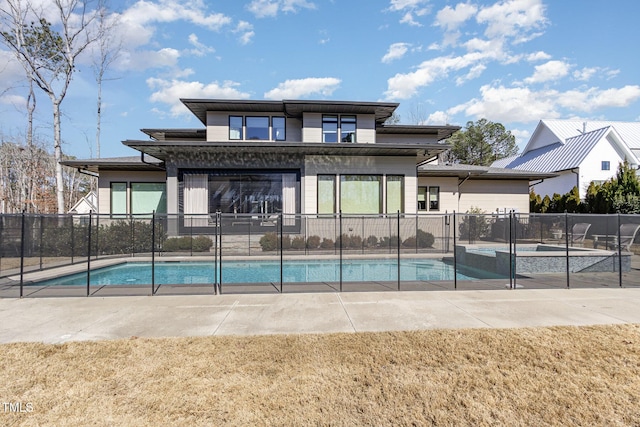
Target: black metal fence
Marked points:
150	254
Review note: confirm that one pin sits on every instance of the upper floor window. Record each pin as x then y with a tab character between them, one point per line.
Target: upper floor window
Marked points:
278	126
235	127
606	165
342	126
348	128
329	128
261	128
257	128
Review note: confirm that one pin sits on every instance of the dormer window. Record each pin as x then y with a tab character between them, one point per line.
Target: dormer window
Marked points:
257	128
331	130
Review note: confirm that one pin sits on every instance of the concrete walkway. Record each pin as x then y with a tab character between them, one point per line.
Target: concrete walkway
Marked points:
56	320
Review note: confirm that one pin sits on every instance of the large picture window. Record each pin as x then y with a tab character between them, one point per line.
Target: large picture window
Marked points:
148	197
118	198
395	193
361	194
326	194
239	192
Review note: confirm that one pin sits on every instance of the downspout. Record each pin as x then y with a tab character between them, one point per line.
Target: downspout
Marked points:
155	165
536	183
459	184
577	178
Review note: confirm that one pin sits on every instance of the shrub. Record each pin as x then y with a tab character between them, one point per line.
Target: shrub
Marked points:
187	243
286	242
425	239
327	244
392	241
269	242
474	225
372	242
298	243
313	242
350	241
410	242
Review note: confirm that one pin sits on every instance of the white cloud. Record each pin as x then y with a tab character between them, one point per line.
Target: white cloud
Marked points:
507	105
523	105
294	89
396	51
142	60
512	18
409	8
246	30
170	91
538	56
200	49
522	136
594	98
475	72
451	18
270	8
402	86
437	118
551	70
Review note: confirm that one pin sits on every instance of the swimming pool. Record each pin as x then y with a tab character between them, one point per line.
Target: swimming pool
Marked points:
308	271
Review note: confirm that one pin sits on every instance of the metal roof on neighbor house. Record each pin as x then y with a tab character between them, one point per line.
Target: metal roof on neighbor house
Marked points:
565	129
557	156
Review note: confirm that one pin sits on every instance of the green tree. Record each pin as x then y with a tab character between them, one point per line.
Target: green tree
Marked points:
482	143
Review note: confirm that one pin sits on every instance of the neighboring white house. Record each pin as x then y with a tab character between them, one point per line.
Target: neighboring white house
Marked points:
578	152
88	203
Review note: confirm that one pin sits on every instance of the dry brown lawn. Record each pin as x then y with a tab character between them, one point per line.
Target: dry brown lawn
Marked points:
541	376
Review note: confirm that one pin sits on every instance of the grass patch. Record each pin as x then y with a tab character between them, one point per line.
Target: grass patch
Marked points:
537	376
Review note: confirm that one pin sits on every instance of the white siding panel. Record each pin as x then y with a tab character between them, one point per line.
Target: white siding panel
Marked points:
491	195
448	191
217	126
312	127
366	129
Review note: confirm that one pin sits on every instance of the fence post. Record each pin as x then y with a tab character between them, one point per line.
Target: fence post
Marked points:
22	255
281	248
339	239
73	239
89	257
515	249
41	233
619	254
153	253
510	249
398	245
566	242
219	236
455	258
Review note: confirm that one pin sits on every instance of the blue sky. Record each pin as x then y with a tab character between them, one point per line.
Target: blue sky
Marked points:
511	61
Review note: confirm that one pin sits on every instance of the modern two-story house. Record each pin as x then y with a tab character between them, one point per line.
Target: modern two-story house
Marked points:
263	158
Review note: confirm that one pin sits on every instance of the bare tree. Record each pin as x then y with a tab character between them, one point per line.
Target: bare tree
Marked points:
108	51
49	56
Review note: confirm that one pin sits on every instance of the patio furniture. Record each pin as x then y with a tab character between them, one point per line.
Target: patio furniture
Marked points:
579	233
628	234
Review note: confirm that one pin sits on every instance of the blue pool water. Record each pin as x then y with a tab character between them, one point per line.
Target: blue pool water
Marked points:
366	270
